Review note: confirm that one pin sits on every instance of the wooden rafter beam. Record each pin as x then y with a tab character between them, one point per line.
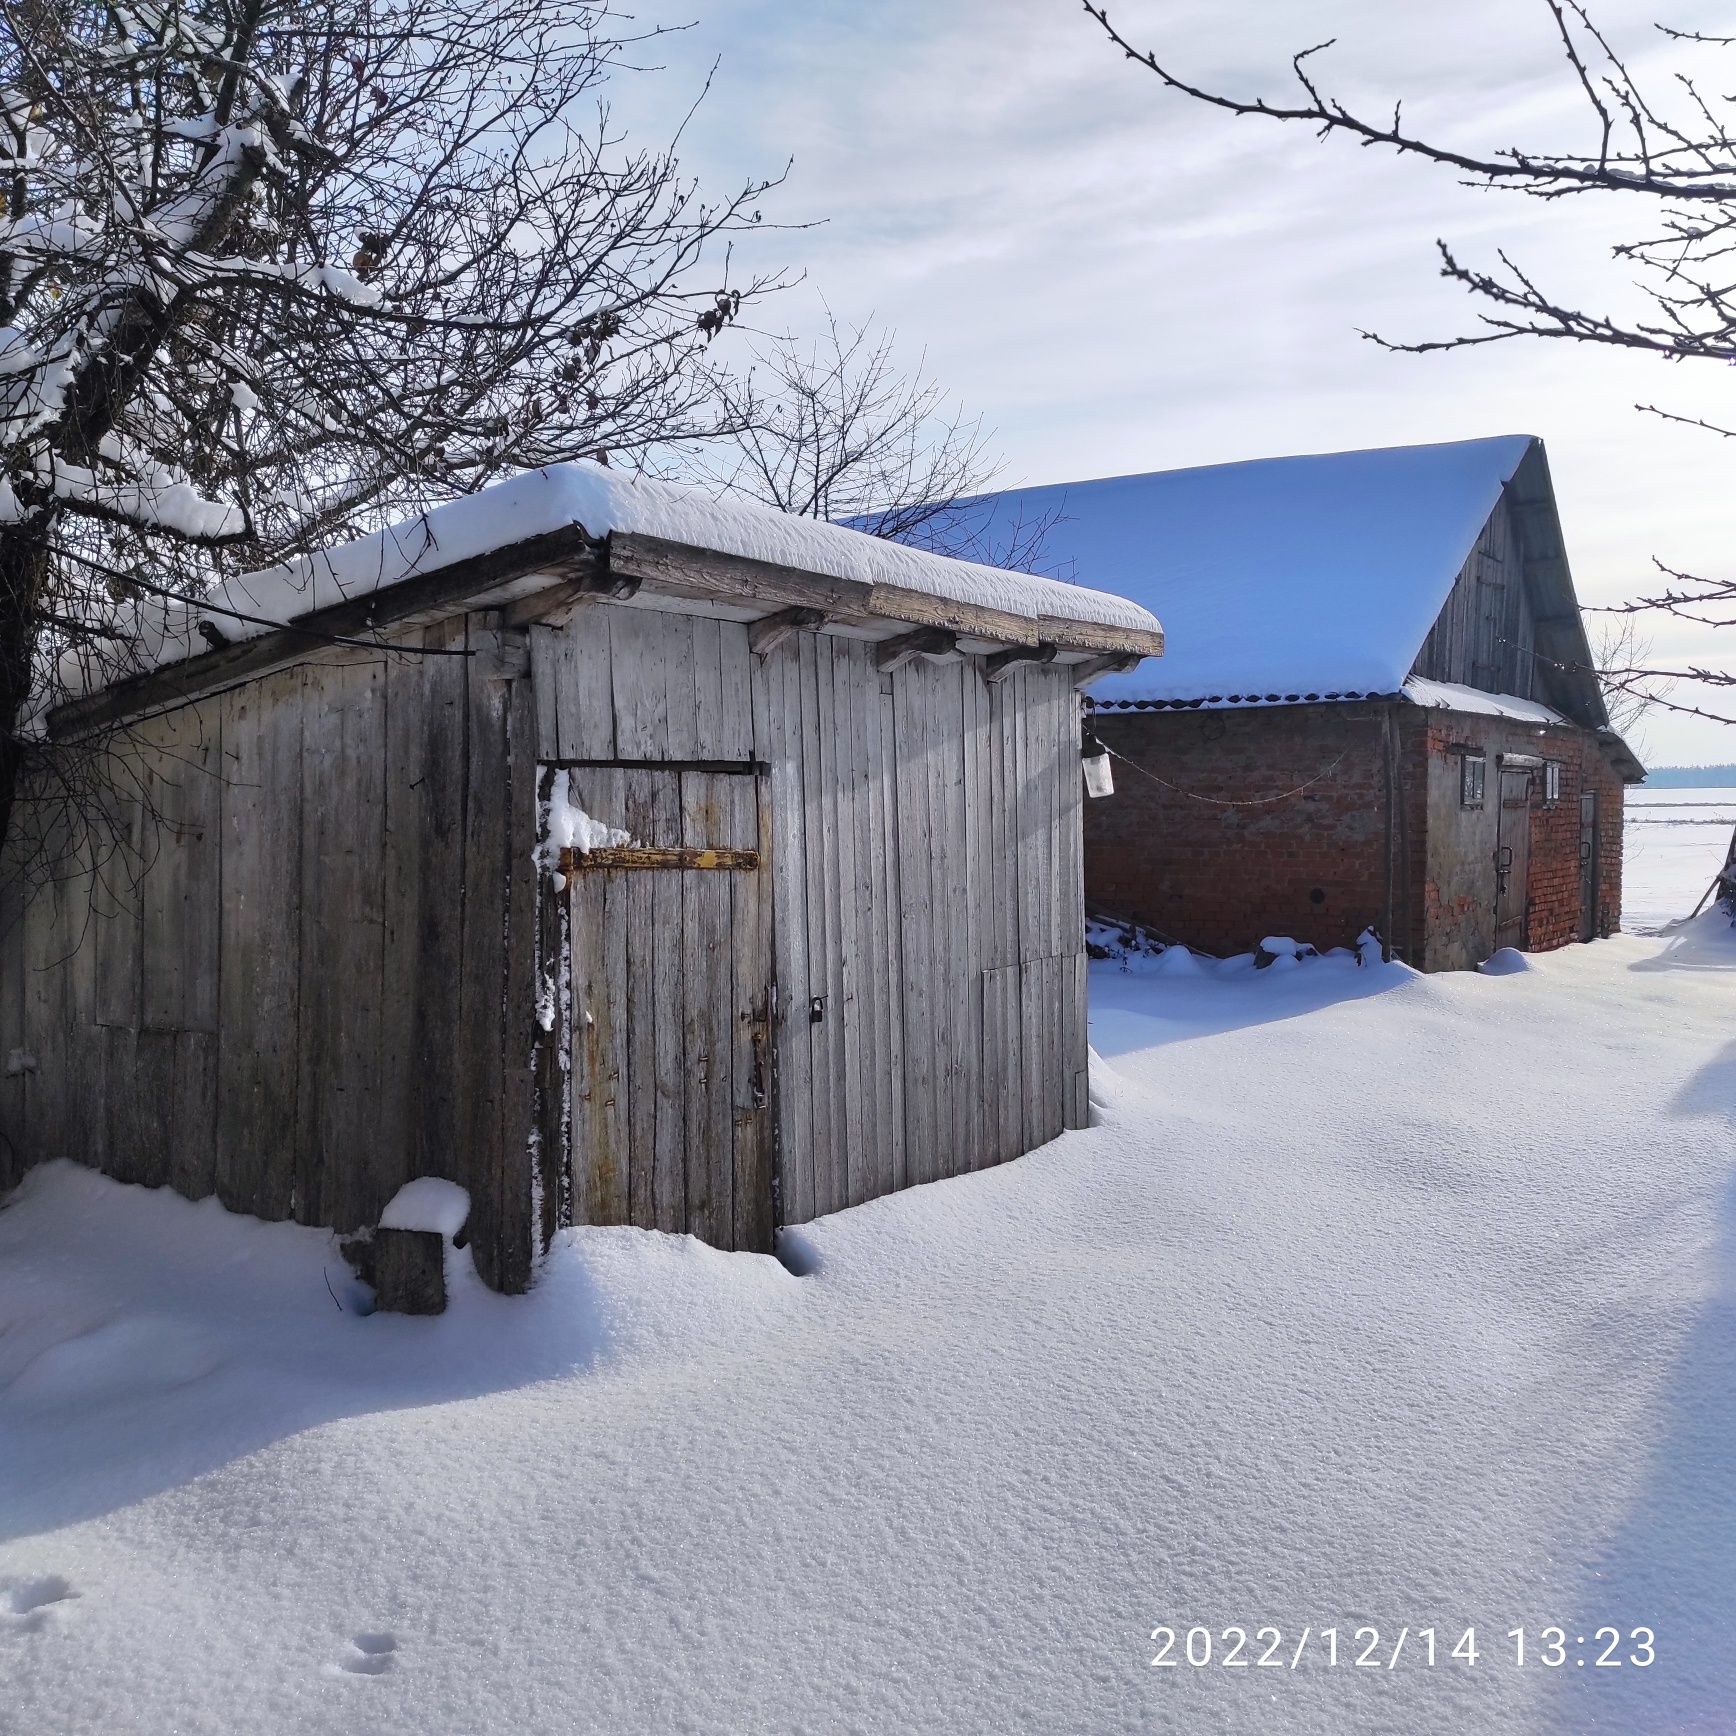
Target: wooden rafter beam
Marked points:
919	642
1001	664
683	571
765	635
1092	667
560	600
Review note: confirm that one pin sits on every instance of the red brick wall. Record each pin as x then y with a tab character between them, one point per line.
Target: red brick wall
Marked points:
1311	864
1221	873
1454	924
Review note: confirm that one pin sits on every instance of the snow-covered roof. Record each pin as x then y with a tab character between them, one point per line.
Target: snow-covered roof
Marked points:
1452	696
599	502
1312	575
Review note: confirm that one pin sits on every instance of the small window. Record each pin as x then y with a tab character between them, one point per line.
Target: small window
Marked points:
1471	781
1551	781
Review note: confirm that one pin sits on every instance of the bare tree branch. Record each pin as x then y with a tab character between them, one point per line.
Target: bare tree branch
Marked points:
837	429
273	272
1680	155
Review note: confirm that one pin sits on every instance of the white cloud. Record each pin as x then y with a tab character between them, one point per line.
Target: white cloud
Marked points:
1122	280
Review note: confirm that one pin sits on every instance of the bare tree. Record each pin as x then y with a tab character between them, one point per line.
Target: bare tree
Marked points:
837	429
1672	155
273	271
1621	651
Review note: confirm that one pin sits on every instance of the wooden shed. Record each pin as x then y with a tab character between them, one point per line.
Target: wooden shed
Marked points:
626	857
1381	711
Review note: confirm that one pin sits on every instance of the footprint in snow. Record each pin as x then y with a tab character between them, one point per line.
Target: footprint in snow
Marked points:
369	1655
28	1605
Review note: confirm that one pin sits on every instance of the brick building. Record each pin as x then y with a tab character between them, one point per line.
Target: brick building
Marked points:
1377	708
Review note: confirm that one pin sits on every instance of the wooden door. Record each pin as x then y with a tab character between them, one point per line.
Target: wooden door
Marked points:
668	935
1512	856
1588	865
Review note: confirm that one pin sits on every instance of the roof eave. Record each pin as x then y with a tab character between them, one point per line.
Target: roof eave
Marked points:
535	577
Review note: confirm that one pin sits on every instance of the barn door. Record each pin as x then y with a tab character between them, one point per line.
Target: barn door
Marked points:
669	940
1512	856
1588	865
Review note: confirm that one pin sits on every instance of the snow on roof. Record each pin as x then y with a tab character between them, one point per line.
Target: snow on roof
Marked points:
1280	575
1450	696
1440	695
600	501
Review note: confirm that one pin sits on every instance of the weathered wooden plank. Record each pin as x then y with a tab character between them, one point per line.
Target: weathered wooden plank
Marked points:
439	966
777	711
521	1200
974	878
182	888
709	730
259	995
1075	1043
1032	1013
192	1141
1003	942
553	1048
547	660
963	995
675	658
1061	769
853	1052
488	872
392	1159
751	1073
665	1003
734	737
77	994
603	909
14	1050
638	643
912	776
48	1085
825	954
115	910
709	818
342	930
859	688
141	1090
582	663
888	962
638	999
1004	1059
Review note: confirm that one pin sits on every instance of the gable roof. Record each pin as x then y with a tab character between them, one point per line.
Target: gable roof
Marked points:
1314	576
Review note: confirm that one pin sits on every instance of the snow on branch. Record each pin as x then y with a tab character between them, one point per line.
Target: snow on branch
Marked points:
274	273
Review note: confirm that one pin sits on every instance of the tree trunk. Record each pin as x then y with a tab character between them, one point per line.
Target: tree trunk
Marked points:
23	570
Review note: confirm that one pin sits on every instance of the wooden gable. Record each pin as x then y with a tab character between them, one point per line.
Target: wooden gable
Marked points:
1511	623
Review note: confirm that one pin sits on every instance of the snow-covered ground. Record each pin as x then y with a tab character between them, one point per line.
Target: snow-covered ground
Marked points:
1673	842
1372	1301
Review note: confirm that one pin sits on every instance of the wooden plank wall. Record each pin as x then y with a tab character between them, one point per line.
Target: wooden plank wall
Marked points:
326	983
928	884
1485	636
927	930
308	995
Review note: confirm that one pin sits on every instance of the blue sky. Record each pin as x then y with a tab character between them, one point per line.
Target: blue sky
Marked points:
1119	280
